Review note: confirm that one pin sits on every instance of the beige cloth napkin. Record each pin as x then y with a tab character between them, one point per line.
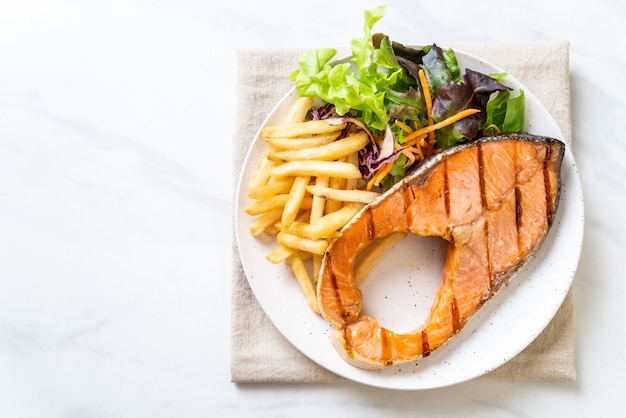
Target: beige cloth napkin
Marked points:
259	352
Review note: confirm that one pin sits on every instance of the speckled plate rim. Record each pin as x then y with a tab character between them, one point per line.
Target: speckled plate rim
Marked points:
498	332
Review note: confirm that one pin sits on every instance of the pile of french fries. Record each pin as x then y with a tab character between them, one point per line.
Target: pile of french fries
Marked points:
305	189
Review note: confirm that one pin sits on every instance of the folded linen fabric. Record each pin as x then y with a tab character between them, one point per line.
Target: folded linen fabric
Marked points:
259	353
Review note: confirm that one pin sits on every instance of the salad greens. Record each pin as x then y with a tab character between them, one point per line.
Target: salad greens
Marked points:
381	88
363	90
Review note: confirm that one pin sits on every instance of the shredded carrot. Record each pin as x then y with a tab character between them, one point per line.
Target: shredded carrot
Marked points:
413	141
449	121
409	156
493	127
428	99
431	146
419	142
427	146
404	126
417	151
380	175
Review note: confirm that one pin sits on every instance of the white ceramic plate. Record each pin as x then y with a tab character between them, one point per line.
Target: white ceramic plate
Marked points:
412	271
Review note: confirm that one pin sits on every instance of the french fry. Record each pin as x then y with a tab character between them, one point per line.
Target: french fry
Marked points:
260	175
297	112
303	255
304	215
302	142
332	151
303	244
373	254
330	223
302	276
305	230
292	206
344	195
337	169
301	229
264	205
273	229
269	203
317	211
279	254
271	188
354	183
294	130
317	206
263	222
316	261
339	184
306	187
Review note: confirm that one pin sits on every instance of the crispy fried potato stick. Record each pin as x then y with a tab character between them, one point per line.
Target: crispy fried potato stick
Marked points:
332	151
337	169
280	254
263	222
347	195
302	276
274	202
334	221
299	109
302	142
296	196
271	188
295	130
303	244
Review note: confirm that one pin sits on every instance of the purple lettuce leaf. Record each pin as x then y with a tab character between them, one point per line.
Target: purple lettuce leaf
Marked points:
472	93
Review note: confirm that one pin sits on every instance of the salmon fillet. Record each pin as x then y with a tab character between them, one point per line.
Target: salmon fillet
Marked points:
493	200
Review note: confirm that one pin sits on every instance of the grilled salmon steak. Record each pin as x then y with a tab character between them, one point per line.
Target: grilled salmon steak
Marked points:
493	200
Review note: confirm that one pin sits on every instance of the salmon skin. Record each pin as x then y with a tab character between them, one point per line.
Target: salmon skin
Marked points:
493	200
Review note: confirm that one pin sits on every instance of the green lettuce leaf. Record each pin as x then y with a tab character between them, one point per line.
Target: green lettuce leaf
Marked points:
398	171
362	86
437	72
380	84
472	93
515	112
505	114
453	66
362	48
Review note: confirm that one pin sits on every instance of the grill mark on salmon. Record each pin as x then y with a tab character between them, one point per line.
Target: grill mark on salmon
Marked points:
446	188
409	197
493	199
518	207
386	346
547	184
484	204
371	229
425	346
481	177
333	281
518	214
456	320
488	254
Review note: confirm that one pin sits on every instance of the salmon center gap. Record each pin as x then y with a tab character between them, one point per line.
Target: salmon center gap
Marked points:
400	289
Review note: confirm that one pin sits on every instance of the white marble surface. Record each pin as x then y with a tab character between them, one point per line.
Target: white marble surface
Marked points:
115	128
